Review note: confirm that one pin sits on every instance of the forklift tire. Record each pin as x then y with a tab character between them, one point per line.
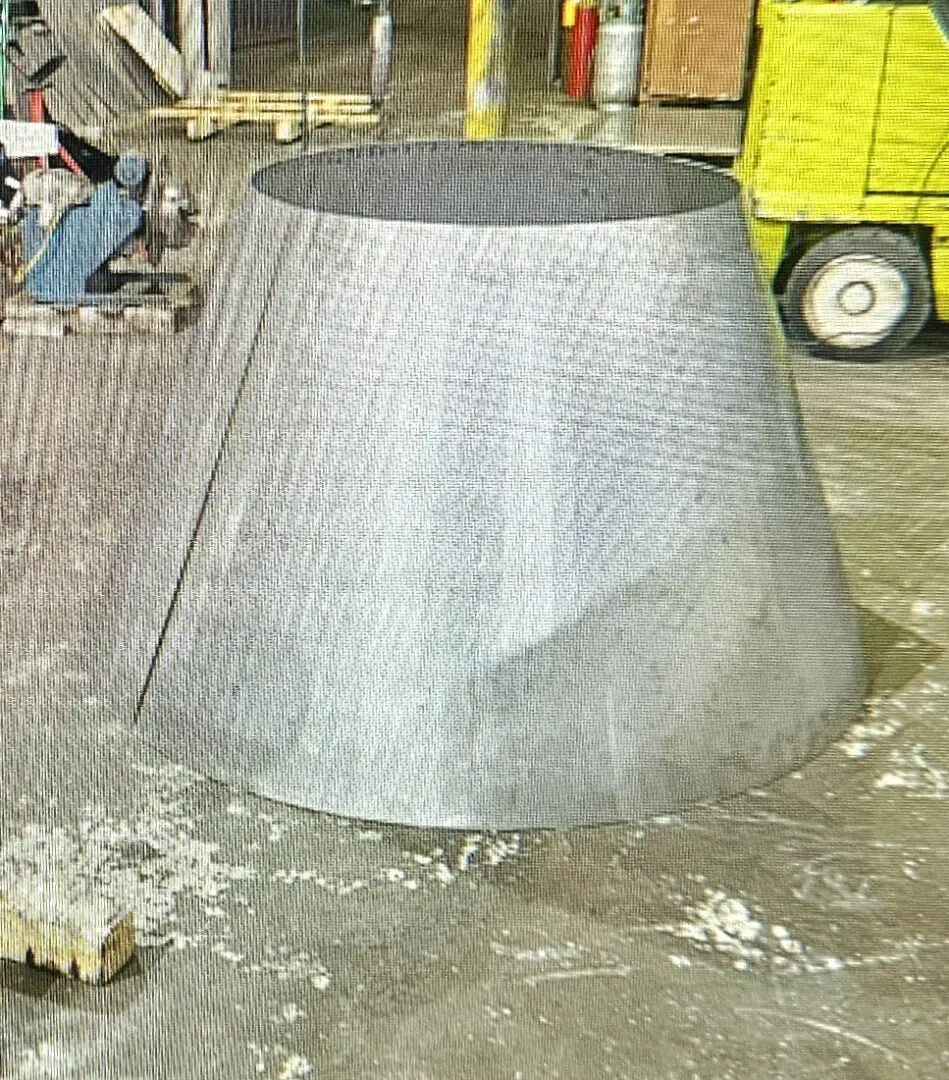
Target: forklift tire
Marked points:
859	294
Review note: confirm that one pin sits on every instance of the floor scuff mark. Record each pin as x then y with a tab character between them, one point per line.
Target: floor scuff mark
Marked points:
830	1029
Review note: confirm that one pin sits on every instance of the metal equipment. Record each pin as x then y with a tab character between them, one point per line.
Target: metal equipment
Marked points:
464	516
616	59
74	209
71	229
381	39
72	224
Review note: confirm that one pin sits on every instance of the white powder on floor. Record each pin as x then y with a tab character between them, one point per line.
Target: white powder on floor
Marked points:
726	925
289	1013
279	1063
419	869
562	955
280	962
913	773
143	864
47	1061
861	737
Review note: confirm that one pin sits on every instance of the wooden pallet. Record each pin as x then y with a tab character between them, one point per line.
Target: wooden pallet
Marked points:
23	317
284	109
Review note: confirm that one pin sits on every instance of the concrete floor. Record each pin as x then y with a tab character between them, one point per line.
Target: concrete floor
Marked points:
795	933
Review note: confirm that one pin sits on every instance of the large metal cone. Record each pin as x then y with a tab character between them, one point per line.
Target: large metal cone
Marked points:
483	501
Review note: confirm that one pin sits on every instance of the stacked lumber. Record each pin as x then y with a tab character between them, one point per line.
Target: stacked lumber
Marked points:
286	111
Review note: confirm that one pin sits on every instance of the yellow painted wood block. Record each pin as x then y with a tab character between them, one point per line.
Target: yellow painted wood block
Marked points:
42	924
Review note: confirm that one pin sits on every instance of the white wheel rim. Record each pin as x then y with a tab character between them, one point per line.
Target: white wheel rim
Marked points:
855	301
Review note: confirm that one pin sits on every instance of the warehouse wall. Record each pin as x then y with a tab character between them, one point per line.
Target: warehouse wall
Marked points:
255	21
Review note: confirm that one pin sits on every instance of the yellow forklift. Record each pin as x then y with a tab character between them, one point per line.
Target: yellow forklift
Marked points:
845	169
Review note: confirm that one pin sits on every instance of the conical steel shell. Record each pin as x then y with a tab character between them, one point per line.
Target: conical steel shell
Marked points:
484	502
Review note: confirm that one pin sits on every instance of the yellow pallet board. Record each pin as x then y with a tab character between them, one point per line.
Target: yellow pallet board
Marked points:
286	110
289	95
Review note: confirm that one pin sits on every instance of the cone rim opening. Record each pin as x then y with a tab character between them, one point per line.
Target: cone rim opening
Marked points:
494	184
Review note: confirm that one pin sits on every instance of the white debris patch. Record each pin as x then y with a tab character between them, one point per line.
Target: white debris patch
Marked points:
278	1063
726	925
281	963
338	886
276	828
45	1062
475	851
143	864
861	737
290	1013
490	850
913	773
418	869
924	609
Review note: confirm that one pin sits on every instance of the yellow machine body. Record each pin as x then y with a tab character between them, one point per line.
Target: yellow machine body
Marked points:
848	124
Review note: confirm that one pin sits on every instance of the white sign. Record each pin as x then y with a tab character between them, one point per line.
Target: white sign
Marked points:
23	139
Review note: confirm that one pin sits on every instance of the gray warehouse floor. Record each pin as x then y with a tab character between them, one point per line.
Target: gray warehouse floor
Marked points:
795	933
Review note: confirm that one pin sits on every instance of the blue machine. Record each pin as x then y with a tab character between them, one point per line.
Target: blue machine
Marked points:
62	257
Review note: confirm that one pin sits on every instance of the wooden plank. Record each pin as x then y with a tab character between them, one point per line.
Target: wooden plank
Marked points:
313	101
267	112
52	326
192	42
197	118
289	95
288	131
202	126
219	41
138	30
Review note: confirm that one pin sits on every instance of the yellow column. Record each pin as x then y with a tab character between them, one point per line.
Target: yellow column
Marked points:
487	80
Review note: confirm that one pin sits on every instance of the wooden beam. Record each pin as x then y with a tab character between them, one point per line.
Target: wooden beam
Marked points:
156	8
191	35
219	41
136	28
233	114
291	96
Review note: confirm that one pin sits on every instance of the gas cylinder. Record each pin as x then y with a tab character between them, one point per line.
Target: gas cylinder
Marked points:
616	60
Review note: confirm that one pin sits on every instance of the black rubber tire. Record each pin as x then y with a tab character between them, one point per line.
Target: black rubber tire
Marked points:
901	251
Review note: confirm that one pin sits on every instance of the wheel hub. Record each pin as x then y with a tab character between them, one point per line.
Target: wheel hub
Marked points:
857	298
855	301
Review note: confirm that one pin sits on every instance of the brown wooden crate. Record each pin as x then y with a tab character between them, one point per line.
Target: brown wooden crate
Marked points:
696	49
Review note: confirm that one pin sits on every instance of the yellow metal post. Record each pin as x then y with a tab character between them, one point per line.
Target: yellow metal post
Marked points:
490	37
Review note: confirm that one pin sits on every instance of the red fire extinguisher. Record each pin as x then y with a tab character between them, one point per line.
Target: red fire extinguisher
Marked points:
581	52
